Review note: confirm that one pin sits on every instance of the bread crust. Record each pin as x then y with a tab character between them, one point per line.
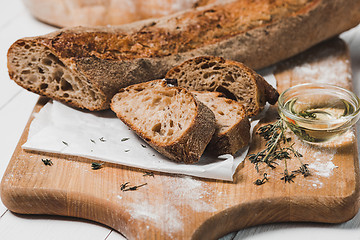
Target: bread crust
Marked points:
263	93
233	140
189	147
126	49
237	134
67	13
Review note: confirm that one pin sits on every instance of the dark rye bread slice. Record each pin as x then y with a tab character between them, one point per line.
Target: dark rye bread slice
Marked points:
85	67
168	118
232	124
235	80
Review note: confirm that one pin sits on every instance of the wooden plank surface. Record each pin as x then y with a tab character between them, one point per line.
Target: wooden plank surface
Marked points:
185	207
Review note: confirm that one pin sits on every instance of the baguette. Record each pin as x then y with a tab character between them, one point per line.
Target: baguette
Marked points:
168	118
232	125
66	13
235	80
85	67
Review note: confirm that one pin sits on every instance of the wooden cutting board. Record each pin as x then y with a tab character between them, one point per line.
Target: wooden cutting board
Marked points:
182	207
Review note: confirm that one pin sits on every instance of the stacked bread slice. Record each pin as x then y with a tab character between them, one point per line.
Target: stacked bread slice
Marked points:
232	124
235	80
170	119
183	115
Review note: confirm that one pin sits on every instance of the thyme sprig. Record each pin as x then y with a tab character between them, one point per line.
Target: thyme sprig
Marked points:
262	181
96	166
303	169
47	161
277	148
133	188
150	174
273	133
125	187
288	177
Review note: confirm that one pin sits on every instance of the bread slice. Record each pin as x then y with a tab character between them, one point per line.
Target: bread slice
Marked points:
235	80
97	61
169	118
232	125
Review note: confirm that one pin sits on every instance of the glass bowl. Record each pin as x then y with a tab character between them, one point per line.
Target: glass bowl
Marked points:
318	112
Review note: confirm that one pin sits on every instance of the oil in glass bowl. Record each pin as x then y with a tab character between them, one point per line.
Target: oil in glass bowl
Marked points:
318	112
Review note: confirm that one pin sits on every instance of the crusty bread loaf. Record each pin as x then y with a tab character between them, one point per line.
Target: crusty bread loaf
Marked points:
67	13
235	80
101	60
232	125
169	118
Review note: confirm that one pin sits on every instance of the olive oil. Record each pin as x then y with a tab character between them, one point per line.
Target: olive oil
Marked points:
318	118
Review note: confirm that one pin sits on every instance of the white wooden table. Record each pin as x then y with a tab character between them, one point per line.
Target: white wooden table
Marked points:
16	105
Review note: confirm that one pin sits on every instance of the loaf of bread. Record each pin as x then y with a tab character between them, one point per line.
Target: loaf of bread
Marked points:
67	13
168	118
232	125
235	80
85	67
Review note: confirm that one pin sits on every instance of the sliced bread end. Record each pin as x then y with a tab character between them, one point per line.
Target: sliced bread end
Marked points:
232	124
169	118
235	80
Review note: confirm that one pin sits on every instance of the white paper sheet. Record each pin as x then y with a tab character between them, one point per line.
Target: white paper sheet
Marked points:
101	136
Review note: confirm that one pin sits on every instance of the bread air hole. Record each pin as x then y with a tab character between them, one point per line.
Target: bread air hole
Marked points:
229	78
226	92
211	75
218	68
198	60
46	61
44	86
58	74
65	85
156	128
53	58
40	70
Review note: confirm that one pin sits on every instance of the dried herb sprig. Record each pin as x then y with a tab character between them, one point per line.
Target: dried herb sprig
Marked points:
273	133
288	177
261	181
303	169
47	161
276	148
96	166
150	174
125	187
133	188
